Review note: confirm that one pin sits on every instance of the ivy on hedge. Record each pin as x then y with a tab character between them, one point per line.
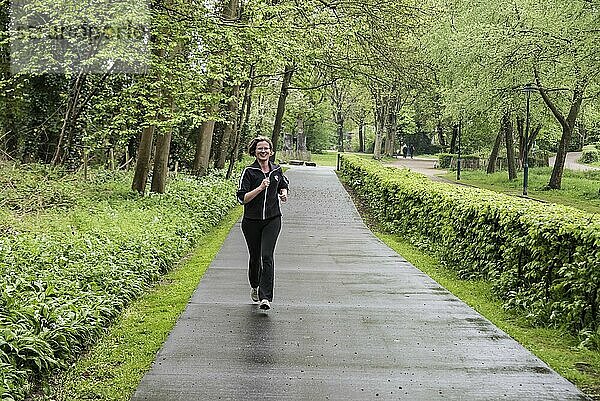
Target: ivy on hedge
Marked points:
66	277
541	258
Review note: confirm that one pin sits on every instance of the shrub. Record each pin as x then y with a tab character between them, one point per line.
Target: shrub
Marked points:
445	159
449	160
590	156
65	275
542	259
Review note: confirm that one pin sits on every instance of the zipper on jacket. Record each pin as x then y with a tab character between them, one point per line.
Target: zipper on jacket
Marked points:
266	189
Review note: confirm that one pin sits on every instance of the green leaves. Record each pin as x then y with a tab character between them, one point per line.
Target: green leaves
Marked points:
67	273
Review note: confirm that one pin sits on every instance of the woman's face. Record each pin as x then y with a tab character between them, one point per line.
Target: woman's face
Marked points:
263	151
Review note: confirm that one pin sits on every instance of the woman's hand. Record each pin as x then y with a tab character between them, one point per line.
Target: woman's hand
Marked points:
283	195
265	183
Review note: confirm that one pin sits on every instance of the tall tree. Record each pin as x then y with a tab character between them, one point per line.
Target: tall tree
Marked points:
144	155
283	93
230	128
491	165
230	9
567	123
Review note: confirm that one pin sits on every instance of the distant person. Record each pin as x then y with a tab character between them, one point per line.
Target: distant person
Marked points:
411	150
262	185
404	150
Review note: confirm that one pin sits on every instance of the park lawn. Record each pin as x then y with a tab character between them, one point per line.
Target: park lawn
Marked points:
580	189
325	159
112	369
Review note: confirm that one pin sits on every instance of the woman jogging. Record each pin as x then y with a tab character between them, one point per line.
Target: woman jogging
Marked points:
262	185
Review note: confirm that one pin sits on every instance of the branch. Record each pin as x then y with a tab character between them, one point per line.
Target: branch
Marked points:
315	87
277	74
561	119
94	91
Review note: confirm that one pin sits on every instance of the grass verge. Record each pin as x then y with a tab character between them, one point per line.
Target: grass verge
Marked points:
113	368
557	348
580	189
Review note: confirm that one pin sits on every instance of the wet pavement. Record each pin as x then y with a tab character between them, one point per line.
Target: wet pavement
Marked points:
351	320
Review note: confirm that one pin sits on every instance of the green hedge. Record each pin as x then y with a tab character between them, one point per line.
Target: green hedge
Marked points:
590	156
66	275
445	159
448	160
541	258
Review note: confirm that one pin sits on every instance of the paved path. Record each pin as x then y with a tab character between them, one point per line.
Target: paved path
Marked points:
572	164
351	320
423	166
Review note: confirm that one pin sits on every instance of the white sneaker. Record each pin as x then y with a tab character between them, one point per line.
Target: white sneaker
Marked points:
254	294
264	304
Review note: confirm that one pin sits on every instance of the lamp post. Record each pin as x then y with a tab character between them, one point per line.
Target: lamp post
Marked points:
527	89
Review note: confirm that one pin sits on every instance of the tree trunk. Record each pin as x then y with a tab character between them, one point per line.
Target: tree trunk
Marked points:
440	134
361	134
379	125
507	127
453	140
337	100
75	107
215	86
205	133
67	124
533	135
583	133
521	136
8	97
144	153
530	140
561	156
392	128
491	167
567	123
339	122
230	9
287	78
160	170
301	142
245	125
242	123
142	164
229	129
233	155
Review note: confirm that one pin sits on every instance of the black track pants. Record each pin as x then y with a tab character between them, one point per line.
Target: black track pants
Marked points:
261	237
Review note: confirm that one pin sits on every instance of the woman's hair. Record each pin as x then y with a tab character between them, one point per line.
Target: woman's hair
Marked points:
255	141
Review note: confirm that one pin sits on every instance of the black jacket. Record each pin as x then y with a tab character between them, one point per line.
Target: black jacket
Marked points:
266	204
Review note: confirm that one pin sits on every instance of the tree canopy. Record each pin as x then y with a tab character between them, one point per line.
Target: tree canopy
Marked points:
188	82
